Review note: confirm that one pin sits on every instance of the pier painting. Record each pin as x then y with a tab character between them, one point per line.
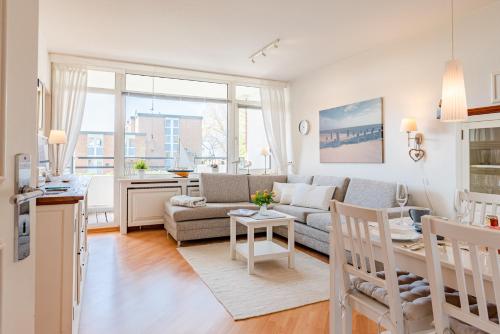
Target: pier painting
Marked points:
352	133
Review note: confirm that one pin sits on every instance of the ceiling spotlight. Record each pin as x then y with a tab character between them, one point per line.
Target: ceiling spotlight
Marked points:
262	52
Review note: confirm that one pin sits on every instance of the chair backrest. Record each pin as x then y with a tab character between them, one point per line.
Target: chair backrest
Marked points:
356	230
479	205
473	259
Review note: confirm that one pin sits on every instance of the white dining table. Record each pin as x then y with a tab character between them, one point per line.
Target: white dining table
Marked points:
415	261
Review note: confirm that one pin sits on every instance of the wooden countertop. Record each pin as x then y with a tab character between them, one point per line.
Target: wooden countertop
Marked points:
77	191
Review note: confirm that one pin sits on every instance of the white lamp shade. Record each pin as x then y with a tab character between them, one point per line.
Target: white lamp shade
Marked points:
408	125
454	103
57	137
264	151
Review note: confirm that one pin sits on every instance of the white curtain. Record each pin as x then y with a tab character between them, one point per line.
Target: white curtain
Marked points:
274	115
69	91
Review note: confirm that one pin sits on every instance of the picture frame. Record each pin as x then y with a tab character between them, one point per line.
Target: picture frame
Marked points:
495	87
352	133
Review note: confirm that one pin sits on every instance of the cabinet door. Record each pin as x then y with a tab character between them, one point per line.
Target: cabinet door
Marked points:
481	157
147	206
193	191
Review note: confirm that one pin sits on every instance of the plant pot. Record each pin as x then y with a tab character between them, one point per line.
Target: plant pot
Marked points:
140	172
263	210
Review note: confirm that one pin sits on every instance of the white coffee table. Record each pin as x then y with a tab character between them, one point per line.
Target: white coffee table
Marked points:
265	250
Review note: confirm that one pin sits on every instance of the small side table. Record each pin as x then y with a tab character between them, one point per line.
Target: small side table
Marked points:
265	250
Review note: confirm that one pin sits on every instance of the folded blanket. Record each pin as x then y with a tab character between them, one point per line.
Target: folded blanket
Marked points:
188	201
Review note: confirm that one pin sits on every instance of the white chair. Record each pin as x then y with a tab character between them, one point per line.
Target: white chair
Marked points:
472	260
354	232
475	206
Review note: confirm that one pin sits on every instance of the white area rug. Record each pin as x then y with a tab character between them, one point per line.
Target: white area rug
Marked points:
272	288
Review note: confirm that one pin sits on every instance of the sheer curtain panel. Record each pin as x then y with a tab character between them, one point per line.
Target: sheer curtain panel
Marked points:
69	89
274	115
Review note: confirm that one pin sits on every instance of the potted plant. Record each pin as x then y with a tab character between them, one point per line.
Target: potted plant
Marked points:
262	199
140	166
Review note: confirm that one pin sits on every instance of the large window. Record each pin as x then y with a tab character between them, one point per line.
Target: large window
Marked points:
176	123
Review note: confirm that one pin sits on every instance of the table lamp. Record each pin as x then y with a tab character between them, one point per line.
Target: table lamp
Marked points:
57	137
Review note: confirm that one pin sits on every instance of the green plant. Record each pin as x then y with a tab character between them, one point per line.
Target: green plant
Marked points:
262	198
140	165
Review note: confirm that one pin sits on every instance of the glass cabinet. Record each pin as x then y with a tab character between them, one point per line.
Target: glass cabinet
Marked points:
482	156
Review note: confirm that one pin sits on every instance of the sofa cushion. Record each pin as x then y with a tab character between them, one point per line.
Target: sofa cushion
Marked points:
320	221
309	196
340	184
371	193
298	212
263	182
224	188
212	210
299	179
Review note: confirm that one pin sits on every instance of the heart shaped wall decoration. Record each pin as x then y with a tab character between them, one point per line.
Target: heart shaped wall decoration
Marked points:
416	154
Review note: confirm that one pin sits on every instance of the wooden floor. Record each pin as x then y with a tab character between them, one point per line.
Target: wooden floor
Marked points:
139	283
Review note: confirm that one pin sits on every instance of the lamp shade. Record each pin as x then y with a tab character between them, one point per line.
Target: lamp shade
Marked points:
408	125
57	137
264	151
454	103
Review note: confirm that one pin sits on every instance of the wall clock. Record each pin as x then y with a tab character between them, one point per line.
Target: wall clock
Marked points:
304	127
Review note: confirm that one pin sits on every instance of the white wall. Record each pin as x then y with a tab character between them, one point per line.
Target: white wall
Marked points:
408	76
18	295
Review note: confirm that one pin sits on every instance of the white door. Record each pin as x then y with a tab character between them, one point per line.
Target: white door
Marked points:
481	156
17	135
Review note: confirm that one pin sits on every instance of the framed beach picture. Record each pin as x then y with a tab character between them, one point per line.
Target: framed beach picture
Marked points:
352	133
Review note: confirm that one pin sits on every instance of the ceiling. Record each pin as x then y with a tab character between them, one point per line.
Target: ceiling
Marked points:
220	35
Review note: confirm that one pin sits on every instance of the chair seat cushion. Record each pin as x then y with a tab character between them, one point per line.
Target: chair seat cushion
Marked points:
416	300
300	213
414	292
212	210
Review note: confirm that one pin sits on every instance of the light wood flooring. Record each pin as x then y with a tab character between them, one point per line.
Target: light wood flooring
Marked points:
139	283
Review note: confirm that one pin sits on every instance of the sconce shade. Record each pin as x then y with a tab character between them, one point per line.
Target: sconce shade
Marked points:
408	125
57	137
454	103
264	151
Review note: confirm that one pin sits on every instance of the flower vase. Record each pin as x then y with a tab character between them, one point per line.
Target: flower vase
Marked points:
263	210
141	173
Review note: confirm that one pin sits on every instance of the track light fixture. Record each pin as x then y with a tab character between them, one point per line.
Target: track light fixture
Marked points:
262	52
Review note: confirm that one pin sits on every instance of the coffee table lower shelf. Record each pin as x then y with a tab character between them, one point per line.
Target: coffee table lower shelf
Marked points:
263	250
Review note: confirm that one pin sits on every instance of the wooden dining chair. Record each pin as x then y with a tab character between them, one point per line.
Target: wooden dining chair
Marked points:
355	230
473	311
479	205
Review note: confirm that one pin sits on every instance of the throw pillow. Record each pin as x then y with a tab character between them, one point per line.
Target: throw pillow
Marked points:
317	197
287	193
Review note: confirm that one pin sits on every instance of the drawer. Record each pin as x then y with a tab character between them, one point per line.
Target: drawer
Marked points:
193	191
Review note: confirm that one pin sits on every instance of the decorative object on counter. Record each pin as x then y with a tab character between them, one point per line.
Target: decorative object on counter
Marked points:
58	138
352	133
262	199
140	166
454	102
416	152
215	167
265	153
181	172
304	127
247	165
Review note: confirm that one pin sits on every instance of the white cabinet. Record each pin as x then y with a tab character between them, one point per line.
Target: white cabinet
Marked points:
61	249
146	206
193	191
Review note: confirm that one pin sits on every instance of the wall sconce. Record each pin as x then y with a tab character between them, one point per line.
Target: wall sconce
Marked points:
416	152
